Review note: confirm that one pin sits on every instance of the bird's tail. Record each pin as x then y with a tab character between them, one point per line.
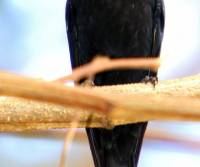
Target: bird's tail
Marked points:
119	147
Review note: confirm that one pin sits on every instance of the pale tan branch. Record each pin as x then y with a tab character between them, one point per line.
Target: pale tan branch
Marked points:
95	107
18	86
103	63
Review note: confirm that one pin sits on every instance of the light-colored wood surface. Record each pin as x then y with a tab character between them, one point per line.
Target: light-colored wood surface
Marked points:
37	104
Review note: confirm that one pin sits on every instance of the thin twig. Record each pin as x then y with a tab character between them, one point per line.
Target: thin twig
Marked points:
102	63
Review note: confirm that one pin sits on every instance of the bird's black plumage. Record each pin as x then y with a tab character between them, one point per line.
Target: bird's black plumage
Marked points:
118	28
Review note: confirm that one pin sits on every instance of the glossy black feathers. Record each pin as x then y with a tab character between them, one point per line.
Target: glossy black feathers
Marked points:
118	28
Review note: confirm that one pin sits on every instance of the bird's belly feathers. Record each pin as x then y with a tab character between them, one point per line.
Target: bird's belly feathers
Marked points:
115	27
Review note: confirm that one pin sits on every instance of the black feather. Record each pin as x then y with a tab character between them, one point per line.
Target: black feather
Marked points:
118	28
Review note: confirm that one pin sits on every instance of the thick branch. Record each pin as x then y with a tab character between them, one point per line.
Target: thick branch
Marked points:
110	106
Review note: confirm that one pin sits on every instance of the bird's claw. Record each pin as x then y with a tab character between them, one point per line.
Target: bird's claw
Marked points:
152	80
88	83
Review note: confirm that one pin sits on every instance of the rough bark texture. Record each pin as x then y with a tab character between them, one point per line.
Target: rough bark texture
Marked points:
170	100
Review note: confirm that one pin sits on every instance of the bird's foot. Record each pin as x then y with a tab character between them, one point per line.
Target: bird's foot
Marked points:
88	83
152	80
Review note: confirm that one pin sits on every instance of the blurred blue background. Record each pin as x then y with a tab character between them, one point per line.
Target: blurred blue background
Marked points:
33	42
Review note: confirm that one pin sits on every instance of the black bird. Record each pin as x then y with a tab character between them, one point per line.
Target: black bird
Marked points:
118	28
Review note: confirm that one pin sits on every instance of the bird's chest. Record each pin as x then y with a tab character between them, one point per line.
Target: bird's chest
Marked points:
94	13
116	26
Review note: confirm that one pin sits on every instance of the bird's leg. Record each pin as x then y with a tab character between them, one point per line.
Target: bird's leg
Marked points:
153	80
89	82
